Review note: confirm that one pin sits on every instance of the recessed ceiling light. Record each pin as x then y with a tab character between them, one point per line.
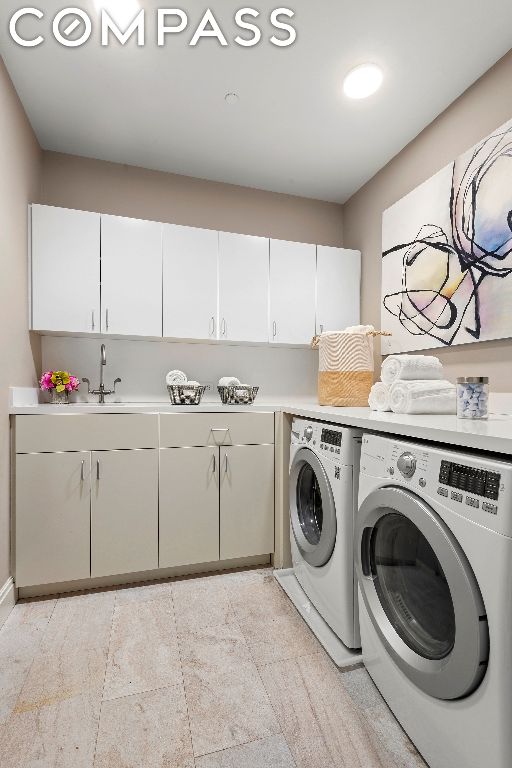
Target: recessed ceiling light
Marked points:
231	98
121	11
363	81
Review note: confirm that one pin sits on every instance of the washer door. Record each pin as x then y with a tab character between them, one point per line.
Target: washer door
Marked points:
312	509
421	594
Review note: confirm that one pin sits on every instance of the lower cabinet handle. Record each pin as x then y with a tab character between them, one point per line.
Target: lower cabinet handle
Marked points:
225	463
274	329
97	469
212	326
106	319
92	320
82	478
321	328
214	464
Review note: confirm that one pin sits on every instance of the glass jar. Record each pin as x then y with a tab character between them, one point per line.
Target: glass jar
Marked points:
59	398
473	397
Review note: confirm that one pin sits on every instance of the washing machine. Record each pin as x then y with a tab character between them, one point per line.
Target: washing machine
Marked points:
433	546
324	470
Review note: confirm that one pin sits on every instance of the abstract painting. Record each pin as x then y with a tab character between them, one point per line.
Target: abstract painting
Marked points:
447	253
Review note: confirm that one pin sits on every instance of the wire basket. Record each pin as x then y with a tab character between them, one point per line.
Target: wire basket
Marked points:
239	394
186	394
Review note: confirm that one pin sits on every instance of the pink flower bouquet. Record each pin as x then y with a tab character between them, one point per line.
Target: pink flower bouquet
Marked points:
62	381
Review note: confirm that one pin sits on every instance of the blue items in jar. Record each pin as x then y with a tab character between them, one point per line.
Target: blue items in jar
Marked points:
473	397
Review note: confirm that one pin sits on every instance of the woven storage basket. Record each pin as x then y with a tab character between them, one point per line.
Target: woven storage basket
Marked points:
346	365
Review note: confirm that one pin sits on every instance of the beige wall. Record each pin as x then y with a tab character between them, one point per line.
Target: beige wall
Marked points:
20	165
94	185
484	107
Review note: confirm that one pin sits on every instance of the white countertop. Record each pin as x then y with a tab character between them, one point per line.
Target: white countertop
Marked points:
494	434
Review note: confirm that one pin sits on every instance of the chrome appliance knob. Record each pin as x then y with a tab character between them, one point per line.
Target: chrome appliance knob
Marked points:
308	433
406	464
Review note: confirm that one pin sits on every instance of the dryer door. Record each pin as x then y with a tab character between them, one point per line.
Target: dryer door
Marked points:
312	508
421	594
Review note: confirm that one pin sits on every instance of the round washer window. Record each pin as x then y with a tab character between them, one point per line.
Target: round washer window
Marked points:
309	504
412	586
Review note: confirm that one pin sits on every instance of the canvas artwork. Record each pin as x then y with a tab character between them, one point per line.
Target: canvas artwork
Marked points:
447	253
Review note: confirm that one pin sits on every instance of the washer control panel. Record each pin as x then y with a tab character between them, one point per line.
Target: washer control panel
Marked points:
334	442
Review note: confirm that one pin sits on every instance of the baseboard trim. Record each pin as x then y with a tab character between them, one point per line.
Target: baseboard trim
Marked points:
104	582
7	600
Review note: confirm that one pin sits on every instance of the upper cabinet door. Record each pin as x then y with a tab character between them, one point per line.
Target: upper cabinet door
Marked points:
338	288
190	282
292	292
65	270
243	287
131	276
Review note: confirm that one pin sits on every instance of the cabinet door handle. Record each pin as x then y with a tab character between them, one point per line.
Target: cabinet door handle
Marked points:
274	329
106	319
212	326
214	464
82	471
223	327
93	324
321	328
97	469
225	463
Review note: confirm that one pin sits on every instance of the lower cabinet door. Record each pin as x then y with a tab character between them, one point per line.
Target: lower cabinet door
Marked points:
124	511
189	506
52	517
246	500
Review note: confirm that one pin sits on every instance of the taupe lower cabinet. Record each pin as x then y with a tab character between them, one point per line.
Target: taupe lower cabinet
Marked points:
52	517
216	487
189	506
124	512
85	514
104	495
246	500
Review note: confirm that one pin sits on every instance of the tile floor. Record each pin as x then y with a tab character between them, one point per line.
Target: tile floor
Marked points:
211	672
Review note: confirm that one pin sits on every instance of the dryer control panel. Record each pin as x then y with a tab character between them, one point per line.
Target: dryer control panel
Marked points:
474	486
477	481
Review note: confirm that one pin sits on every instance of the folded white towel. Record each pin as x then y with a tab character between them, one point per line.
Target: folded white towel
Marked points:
176	377
193	384
423	397
411	368
229	381
378	399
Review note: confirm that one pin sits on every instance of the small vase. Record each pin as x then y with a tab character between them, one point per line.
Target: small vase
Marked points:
59	398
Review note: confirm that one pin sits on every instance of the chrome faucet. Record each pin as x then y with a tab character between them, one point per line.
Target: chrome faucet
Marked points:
101	391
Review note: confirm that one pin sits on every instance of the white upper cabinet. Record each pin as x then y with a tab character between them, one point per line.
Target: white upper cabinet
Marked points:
243	287
338	288
96	273
190	282
131	276
65	270
292	292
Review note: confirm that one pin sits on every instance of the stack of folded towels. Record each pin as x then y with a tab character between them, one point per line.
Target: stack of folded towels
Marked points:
413	384
178	377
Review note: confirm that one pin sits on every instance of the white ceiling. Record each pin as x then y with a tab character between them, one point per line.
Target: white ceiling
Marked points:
292	129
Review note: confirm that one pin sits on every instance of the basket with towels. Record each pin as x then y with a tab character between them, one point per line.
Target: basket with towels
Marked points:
182	391
413	384
345	369
233	392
